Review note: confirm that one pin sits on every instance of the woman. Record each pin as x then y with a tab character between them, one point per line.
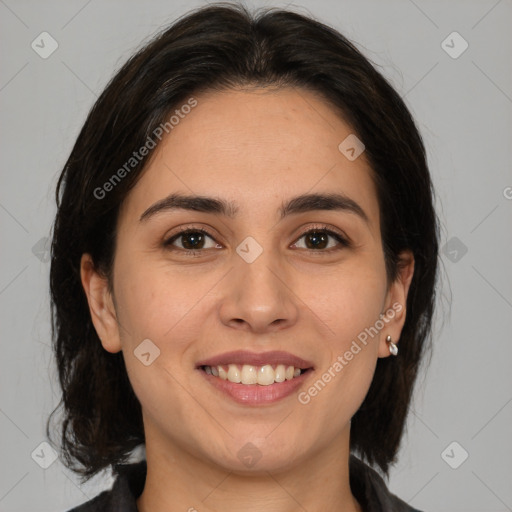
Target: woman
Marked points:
243	272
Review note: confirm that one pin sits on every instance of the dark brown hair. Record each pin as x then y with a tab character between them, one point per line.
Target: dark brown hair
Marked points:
219	47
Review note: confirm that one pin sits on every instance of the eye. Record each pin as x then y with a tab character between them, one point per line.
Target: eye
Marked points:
317	239
191	240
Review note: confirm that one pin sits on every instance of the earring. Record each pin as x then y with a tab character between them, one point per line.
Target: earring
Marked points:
393	349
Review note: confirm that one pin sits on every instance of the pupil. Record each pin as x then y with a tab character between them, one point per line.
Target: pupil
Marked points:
315	240
196	238
318	239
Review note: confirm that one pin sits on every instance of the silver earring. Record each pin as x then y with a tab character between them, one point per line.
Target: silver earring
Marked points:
393	349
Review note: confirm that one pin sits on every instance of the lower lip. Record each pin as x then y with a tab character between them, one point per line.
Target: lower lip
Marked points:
255	394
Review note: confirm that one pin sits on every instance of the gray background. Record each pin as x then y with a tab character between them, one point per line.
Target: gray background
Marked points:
463	107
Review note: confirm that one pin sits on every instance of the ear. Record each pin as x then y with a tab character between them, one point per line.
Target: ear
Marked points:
396	300
101	305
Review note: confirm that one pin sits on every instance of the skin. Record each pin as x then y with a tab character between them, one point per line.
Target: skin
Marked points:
257	148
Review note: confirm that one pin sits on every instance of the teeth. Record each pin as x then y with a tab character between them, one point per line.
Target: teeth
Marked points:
280	373
266	375
234	373
249	374
223	374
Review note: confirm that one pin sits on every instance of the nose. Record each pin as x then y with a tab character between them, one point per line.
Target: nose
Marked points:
258	296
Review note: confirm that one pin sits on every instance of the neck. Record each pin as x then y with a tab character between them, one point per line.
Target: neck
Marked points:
176	480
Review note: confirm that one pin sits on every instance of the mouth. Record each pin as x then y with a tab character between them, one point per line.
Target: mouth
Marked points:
256	379
250	375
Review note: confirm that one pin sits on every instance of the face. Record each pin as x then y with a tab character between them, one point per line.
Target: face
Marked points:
265	283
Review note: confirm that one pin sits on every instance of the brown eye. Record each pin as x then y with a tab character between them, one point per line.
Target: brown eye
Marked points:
318	239
191	240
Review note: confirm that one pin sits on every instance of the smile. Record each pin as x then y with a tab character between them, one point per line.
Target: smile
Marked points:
254	375
256	379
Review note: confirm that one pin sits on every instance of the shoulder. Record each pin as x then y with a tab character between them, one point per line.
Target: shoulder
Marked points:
371	491
128	485
100	503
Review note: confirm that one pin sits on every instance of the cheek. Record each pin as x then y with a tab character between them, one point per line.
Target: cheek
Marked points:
348	302
350	307
166	309
154	303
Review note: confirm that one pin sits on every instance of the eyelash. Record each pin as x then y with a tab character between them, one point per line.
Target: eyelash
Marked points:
344	242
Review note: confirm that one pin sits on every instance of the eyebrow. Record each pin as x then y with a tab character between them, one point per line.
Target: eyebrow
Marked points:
299	204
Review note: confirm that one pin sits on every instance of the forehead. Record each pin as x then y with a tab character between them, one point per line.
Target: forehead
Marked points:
254	148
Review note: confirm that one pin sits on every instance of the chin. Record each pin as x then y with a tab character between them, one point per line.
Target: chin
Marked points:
253	455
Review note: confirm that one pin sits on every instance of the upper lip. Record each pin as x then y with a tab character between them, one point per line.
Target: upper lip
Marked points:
273	357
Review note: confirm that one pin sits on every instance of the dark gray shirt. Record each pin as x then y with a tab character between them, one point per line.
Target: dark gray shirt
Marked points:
367	486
